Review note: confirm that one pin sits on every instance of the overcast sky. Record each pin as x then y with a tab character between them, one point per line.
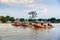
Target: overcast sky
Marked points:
20	8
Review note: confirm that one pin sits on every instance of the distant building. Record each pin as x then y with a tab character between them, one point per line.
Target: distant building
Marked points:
1	17
17	20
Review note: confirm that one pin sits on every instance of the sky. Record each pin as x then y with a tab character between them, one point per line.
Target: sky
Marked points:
21	8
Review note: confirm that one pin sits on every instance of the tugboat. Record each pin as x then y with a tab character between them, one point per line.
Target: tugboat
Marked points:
25	23
42	25
16	24
37	25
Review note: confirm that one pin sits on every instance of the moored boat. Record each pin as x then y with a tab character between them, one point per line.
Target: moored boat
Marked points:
25	25
37	26
16	24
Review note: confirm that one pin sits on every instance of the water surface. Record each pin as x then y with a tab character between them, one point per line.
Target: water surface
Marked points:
7	32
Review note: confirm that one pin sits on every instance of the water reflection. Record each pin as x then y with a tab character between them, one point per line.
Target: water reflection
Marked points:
32	28
27	33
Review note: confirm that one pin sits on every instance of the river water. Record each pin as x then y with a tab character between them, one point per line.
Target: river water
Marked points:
7	32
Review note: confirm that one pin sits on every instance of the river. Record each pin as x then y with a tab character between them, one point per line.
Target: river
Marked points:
7	32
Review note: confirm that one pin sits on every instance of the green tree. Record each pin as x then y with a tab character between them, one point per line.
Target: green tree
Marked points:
53	20
12	19
8	17
40	19
33	14
58	20
3	19
30	20
22	19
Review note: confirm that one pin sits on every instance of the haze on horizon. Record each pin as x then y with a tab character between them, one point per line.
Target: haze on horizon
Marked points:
20	8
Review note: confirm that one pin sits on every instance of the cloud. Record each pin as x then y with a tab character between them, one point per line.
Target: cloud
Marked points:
17	1
29	3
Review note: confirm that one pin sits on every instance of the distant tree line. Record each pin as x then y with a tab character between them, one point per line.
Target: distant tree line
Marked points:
4	19
52	20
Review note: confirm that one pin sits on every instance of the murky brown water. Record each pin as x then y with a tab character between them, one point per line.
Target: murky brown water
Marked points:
11	33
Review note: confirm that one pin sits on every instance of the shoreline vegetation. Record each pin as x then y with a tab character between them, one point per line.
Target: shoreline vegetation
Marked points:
32	19
8	19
